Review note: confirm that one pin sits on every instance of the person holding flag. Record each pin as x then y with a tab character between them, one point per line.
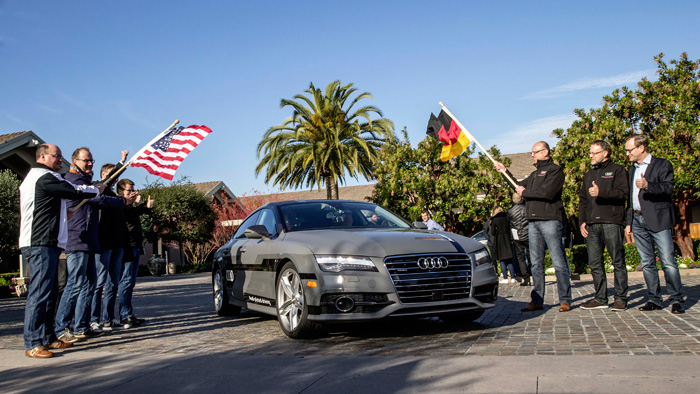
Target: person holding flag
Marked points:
542	191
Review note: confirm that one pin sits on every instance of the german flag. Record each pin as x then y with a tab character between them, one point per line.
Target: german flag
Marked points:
445	129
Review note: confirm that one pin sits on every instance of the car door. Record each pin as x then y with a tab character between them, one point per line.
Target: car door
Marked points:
236	278
259	264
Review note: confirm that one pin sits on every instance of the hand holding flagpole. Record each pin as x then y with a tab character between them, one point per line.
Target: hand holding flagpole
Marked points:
471	137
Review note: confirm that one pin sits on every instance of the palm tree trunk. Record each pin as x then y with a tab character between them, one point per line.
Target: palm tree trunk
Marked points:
329	187
335	190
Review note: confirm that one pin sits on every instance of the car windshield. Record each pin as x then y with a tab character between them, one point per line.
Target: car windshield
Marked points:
330	214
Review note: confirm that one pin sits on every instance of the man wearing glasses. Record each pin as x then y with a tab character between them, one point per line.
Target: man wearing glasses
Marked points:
43	234
83	244
542	192
650	218
602	216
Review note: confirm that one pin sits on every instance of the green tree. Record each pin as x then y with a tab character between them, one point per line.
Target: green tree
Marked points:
667	111
181	214
9	214
460	192
324	139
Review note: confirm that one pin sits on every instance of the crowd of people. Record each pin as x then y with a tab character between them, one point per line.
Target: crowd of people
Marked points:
98	229
614	203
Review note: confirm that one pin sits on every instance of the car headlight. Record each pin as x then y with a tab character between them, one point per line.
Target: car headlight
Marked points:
482	257
332	263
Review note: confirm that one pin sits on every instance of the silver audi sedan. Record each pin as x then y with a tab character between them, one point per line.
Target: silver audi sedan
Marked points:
317	262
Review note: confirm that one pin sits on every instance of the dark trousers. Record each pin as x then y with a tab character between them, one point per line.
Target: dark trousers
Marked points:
601	236
520	248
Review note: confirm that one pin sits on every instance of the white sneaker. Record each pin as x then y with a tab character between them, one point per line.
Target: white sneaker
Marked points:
503	281
112	325
95	326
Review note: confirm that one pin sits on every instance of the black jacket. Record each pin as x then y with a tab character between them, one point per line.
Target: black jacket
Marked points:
656	200
43	196
518	221
543	192
613	192
499	232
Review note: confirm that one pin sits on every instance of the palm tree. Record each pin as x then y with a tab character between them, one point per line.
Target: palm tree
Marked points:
323	140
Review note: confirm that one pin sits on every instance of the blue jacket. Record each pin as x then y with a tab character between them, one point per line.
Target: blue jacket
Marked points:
83	233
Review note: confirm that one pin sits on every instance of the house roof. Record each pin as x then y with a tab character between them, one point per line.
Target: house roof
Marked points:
521	165
215	190
18	152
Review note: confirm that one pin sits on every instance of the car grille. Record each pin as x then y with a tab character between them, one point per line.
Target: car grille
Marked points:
414	284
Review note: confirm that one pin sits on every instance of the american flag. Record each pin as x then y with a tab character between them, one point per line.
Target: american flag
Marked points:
164	156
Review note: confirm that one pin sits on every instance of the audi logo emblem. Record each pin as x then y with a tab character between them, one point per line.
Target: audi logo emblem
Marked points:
433	262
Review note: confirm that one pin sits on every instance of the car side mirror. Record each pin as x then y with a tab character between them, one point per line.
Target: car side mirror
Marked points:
257	231
419	225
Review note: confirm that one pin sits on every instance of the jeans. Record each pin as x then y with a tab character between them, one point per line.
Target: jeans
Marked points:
601	236
109	272
521	251
508	265
548	233
84	302
127	284
645	239
77	266
43	287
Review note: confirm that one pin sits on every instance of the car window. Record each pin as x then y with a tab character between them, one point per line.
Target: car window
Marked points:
267	219
331	214
249	221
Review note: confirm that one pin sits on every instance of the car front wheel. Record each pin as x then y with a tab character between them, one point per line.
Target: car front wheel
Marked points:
221	304
292	310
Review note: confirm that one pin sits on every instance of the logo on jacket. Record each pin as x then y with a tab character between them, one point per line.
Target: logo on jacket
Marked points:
608	175
542	173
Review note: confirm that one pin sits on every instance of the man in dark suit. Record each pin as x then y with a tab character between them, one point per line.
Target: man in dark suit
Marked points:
650	218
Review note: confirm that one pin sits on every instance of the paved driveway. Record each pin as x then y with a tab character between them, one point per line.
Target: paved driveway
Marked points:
181	320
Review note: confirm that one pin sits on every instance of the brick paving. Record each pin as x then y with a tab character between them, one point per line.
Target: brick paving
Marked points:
180	315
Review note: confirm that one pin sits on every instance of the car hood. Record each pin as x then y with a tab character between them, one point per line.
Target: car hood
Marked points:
382	242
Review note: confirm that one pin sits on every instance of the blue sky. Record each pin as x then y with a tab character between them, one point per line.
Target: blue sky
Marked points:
111	75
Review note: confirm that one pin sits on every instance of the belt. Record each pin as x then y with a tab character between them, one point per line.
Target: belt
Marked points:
638	212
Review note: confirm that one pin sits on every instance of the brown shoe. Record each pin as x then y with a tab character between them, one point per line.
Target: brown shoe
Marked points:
38	352
532	307
564	307
619	306
59	345
593	304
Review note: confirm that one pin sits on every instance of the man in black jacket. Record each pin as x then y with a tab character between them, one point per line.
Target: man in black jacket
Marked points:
542	192
518	225
602	215
650	219
132	250
43	234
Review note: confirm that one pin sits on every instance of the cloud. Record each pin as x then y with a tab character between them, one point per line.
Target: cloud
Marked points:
591	83
75	102
46	107
126	110
521	138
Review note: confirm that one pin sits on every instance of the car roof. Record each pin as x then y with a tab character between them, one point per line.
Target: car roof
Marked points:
295	202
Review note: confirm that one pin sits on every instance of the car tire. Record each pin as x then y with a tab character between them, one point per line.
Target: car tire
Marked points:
221	304
464	317
292	309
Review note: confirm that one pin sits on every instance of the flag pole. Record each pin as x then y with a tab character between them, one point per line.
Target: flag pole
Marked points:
471	137
121	170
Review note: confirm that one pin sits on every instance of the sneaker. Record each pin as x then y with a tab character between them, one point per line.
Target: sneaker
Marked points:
95	326
619	306
112	325
59	345
593	304
87	334
67	337
139	321
129	322
503	281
